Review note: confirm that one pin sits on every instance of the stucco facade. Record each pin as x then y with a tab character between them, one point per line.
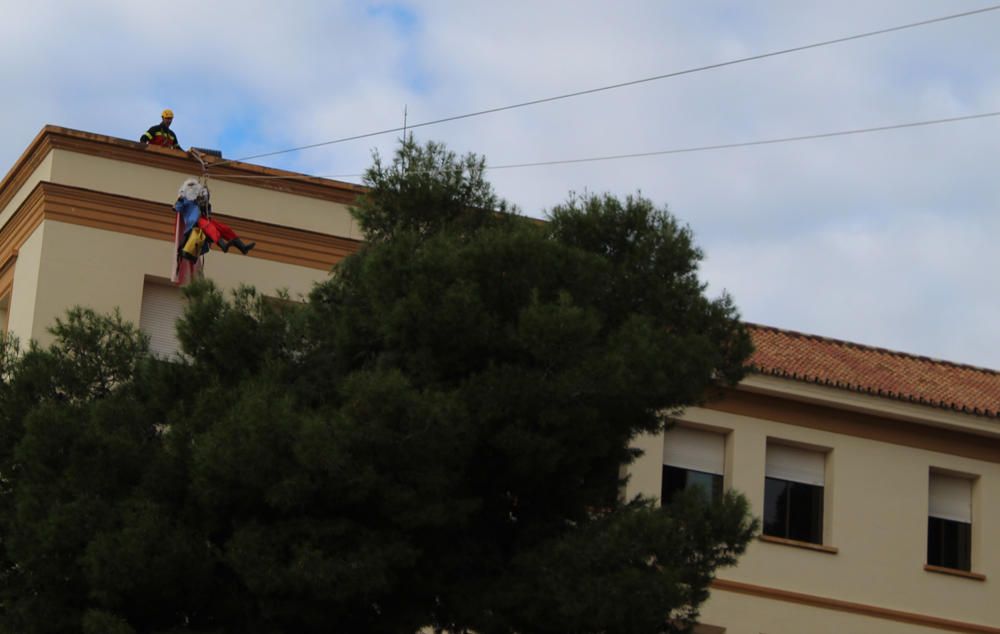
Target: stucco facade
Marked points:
87	220
869	573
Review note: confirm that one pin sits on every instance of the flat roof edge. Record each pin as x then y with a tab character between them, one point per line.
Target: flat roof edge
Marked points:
56	137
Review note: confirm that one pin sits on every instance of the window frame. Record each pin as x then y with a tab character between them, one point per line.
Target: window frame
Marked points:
792	468
948	516
714	467
715	485
153	331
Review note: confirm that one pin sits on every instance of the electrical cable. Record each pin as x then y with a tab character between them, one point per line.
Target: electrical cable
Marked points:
589	91
726	146
684	150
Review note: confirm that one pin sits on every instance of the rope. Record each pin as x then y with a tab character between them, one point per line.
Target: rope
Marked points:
203	179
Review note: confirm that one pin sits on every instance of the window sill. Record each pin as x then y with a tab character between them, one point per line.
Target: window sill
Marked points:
797	544
955	572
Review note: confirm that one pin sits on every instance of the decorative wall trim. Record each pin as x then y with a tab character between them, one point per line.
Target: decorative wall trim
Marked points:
876	405
6	281
55	137
832	419
820	548
851	607
23	167
955	573
134	216
21	225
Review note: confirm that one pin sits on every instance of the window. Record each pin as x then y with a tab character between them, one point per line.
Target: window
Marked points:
161	308
793	493
949	522
692	458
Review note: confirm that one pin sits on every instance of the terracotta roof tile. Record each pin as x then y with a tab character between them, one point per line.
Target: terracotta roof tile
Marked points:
876	371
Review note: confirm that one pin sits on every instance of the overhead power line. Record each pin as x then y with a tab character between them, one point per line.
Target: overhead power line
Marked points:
726	146
691	149
634	82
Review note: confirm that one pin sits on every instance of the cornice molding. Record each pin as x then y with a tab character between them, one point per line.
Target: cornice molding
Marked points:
55	137
7	280
21	225
782	409
134	216
838	605
24	167
870	404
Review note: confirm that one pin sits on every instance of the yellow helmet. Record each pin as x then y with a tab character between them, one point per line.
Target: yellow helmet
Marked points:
168	114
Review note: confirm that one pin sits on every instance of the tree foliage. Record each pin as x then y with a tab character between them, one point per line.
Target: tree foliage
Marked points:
432	439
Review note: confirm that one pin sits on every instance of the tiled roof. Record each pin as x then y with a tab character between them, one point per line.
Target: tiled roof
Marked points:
875	371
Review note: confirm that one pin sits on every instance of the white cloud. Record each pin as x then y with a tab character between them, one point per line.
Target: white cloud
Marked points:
916	286
883	238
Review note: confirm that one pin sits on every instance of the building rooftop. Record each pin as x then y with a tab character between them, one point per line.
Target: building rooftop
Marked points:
56	137
876	371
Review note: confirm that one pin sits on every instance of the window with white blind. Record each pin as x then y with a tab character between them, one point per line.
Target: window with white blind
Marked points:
793	493
692	458
162	306
949	522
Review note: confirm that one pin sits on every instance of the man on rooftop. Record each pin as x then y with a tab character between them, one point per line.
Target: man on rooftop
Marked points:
161	134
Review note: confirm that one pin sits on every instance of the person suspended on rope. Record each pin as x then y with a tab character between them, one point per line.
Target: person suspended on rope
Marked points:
161	134
199	229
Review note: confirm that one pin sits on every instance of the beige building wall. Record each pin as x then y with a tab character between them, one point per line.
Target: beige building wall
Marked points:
875	514
41	173
64	262
245	201
21	312
746	614
104	270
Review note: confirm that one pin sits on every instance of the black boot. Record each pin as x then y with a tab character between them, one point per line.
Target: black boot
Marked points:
223	245
242	246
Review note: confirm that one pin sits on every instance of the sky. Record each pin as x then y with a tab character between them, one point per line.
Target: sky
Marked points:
885	239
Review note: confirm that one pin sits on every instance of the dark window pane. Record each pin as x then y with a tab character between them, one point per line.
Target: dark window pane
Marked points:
672	482
676	479
949	543
793	510
709	484
805	521
775	507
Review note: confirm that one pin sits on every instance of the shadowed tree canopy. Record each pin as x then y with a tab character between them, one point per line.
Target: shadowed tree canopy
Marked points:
433	438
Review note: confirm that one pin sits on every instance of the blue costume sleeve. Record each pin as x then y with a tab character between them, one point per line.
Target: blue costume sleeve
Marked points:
188	209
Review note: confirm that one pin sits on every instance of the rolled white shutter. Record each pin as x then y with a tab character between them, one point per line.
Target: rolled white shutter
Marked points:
795	465
694	449
951	498
161	308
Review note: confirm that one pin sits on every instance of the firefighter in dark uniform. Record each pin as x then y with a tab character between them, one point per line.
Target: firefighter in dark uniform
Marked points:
162	134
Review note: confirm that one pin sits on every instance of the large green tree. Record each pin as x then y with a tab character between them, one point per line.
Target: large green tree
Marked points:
433	439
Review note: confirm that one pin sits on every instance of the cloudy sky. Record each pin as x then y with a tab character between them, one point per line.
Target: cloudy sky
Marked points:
887	239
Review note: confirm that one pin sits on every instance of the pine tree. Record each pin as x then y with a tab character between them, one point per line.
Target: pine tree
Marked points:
433	439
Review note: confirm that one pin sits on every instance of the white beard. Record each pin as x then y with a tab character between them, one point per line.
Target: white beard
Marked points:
192	190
